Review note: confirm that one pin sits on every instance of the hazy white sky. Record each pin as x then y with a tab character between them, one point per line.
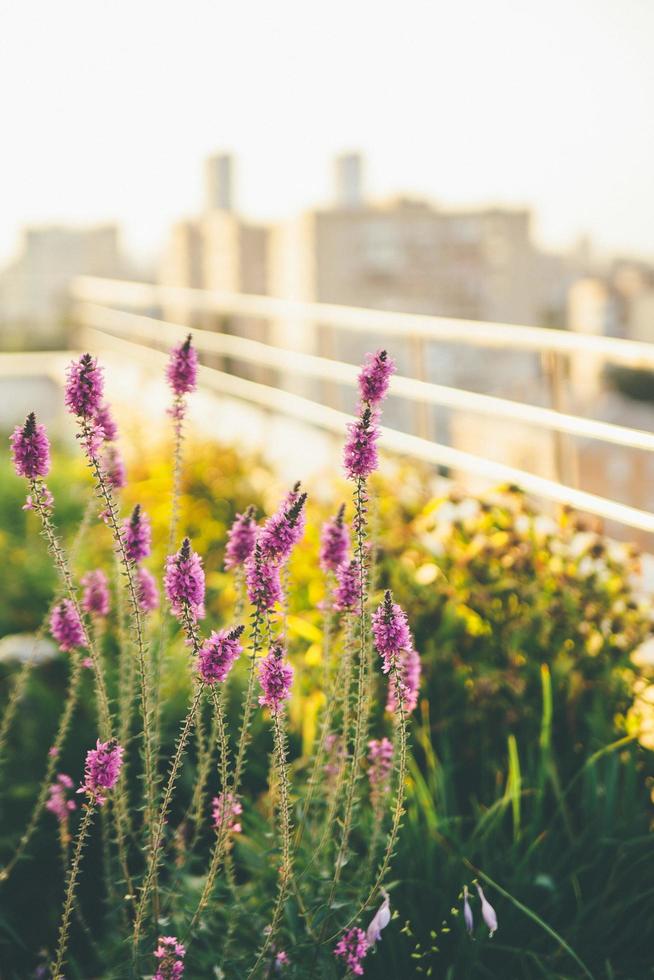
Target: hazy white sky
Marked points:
107	108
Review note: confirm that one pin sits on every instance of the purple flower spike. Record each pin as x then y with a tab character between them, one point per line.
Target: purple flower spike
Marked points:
240	539
226	810
170	953
275	677
184	582
375	376
218	653
352	948
146	590
107	423
346	593
138	535
360	454
391	631
334	542
66	626
95	599
262	580
380	757
114	468
182	370
409	671
58	802
488	913
283	530
468	917
103	765
84	387
30	449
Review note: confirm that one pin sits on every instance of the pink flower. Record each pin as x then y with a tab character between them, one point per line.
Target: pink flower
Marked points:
114	468
30	449
284	529
42	499
137	535
184	582
380	757
146	590
360	454
276	678
240	539
102	769
170	954
218	653
352	947
346	593
226	810
182	370
281	961
379	921
57	801
84	387
95	598
66	626
488	913
334	542
409	670
375	376
107	423
262	580
391	631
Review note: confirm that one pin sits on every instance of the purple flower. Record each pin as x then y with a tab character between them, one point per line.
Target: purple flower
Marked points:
102	769
380	757
184	582
468	917
375	376
334	542
84	387
380	920
281	960
391	631
226	810
114	468
352	947
488	913
170	953
262	580
66	626
107	423
58	802
360	454
275	677
146	590
346	593
409	670
284	529
218	653
42	499
138	535
240	539
182	369
334	751
30	449
95	598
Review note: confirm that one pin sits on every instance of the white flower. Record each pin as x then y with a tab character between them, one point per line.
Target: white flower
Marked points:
379	921
487	912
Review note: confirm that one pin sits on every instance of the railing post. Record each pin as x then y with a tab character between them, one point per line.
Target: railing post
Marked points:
422	423
566	469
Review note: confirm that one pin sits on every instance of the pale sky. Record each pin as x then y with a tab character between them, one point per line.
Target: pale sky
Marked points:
108	107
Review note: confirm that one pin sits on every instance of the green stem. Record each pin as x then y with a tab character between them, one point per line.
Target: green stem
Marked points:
71	885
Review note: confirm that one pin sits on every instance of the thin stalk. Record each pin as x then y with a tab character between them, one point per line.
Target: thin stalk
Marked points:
71	885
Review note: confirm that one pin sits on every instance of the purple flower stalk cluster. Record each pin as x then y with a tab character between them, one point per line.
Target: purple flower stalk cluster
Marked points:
240	539
334	750
170	955
58	802
147	592
360	453
390	631
380	757
276	678
137	535
218	653
346	593
226	811
114	467
30	449
352	948
182	369
262	581
84	388
283	530
184	582
66	626
409	670
334	542
106	422
102	769
95	598
375	376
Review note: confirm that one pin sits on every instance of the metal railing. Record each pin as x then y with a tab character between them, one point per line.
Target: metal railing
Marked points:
106	311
